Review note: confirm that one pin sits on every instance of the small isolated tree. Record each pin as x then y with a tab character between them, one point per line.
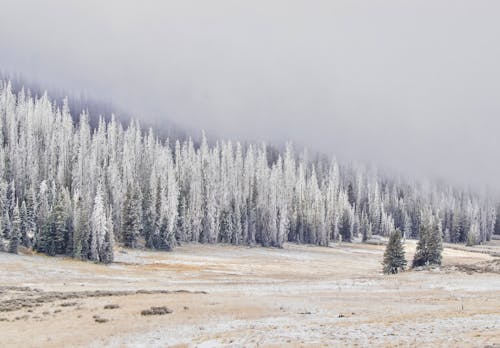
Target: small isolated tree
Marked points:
430	244
394	256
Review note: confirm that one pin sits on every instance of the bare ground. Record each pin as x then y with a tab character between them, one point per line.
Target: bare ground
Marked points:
205	295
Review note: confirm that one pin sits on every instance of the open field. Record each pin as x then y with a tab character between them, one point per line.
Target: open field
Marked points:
241	296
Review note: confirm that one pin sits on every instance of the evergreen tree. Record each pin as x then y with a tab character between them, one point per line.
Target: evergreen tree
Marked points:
208	193
107	255
81	245
429	246
473	234
98	226
394	256
44	236
345	228
30	218
59	225
147	216
130	218
350	194
365	227
23	217
497	221
157	216
15	233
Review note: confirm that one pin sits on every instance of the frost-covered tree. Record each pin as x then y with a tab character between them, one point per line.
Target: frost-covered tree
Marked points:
473	235
131	219
106	255
57	168
99	228
59	225
15	232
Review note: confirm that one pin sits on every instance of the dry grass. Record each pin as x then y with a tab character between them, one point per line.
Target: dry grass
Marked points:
240	296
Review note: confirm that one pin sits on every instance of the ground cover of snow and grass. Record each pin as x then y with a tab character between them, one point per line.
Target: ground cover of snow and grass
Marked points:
221	295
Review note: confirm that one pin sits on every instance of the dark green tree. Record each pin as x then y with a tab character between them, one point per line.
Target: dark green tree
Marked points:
226	228
350	194
131	218
81	234
365	227
29	212
394	256
497	221
59	225
345	228
5	228
45	242
157	216
53	238
166	239
15	232
107	252
148	220
430	244
23	216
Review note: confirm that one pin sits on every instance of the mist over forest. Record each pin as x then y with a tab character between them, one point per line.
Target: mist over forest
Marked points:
409	87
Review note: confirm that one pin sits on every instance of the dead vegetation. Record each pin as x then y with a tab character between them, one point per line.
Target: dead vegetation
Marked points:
492	266
68	304
34	298
99	319
156	311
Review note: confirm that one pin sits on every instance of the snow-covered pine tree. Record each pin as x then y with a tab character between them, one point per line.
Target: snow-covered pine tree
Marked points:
81	236
98	227
473	234
345	226
131	218
44	242
147	217
23	225
59	223
107	255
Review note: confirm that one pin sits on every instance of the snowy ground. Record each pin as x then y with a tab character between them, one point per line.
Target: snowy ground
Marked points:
244	297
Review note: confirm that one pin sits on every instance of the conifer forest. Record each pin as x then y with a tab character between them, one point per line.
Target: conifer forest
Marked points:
69	188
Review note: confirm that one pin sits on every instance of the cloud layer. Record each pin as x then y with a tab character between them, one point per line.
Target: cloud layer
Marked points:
410	85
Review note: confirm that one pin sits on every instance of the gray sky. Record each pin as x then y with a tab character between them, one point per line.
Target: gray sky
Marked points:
411	85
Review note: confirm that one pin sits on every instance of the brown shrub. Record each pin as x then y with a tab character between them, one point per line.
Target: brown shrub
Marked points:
156	311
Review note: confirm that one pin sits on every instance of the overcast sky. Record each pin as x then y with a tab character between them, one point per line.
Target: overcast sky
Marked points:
411	85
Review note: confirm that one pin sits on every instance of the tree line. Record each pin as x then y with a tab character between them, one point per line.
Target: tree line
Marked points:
69	188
